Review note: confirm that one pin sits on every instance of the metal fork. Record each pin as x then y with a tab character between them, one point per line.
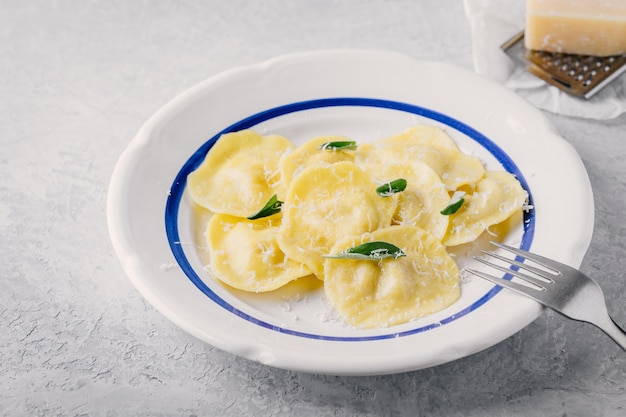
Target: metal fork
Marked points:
555	285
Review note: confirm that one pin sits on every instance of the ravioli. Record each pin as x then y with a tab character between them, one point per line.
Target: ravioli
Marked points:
240	173
392	291
420	204
461	171
245	255
326	203
396	151
426	135
497	196
430	145
309	154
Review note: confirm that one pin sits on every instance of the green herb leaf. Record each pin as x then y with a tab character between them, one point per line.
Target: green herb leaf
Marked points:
370	251
272	206
338	146
456	202
391	187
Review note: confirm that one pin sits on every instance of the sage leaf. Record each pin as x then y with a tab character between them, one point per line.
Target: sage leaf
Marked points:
338	145
456	202
272	206
370	251
390	188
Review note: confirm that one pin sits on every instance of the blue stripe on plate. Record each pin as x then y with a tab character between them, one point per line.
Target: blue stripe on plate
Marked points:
178	187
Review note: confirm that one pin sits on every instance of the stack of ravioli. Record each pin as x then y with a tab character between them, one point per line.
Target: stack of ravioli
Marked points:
330	204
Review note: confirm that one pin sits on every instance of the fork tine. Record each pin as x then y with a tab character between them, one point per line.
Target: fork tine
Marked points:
541	260
541	284
537	271
519	288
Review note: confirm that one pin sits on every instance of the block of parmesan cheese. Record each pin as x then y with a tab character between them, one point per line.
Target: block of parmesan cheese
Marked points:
585	27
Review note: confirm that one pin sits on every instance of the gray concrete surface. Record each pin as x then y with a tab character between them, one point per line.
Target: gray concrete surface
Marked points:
78	79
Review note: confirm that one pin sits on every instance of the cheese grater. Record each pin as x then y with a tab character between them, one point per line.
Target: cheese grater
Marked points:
578	75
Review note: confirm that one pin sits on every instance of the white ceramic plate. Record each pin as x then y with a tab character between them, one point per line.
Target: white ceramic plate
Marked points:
363	95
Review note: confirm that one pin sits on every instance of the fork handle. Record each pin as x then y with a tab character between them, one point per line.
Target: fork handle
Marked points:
613	330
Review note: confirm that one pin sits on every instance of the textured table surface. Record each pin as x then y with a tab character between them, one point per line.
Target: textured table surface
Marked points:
78	79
